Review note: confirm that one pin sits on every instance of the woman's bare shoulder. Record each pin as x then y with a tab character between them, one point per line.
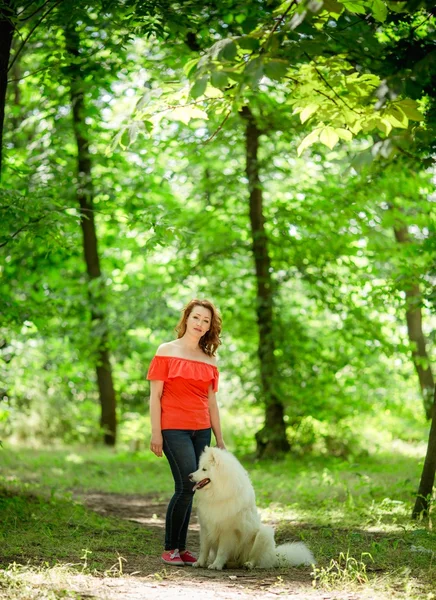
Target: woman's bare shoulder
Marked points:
213	360
174	348
166	349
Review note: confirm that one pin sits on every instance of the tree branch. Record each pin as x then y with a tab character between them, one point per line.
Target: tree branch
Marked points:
219	128
34	12
26	39
321	76
31	222
277	25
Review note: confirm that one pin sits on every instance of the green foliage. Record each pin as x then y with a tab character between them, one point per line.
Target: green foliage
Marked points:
55	530
319	73
342	571
171	208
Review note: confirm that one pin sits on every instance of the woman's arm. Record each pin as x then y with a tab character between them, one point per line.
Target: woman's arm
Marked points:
156	442
215	419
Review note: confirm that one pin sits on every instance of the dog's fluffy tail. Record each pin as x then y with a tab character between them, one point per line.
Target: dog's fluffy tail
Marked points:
294	554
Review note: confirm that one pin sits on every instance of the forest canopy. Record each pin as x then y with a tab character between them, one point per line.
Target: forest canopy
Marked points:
276	158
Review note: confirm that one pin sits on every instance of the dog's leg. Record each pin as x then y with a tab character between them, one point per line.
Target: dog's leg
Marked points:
205	548
223	553
262	554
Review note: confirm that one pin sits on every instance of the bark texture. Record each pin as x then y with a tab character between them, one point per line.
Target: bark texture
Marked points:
6	35
85	194
271	439
416	335
425	490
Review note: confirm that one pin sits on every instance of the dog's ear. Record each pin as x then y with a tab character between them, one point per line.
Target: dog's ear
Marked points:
204	452
214	456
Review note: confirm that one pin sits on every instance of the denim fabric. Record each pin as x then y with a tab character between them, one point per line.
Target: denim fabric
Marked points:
182	448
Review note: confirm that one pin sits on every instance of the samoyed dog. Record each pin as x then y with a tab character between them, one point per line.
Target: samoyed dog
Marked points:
231	532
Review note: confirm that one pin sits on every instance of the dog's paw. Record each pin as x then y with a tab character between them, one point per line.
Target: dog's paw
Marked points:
198	564
215	567
249	565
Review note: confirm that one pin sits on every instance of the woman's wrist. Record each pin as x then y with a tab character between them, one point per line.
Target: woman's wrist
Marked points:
220	442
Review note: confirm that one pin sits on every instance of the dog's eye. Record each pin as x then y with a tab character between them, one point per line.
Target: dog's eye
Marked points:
204	469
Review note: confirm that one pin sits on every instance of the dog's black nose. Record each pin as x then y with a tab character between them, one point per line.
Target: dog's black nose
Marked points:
190	477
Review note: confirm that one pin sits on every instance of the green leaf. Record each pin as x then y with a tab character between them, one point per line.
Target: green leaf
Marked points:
283	7
379	10
385	126
189	67
254	71
309	140
332	6
186	113
329	137
344	134
199	87
355	6
308	111
411	109
396	116
248	42
276	69
228	50
219	79
249	24
233	75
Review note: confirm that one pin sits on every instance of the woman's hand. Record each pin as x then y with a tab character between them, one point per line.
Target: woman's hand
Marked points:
156	443
221	444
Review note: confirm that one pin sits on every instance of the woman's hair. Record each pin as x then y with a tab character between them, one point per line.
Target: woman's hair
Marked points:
210	341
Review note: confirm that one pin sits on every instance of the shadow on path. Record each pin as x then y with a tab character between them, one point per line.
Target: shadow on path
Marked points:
147	577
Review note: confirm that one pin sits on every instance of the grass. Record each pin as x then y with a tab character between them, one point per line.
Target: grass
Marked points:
355	515
38	529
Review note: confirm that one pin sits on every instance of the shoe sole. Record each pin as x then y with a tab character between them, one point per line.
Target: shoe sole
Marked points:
174	564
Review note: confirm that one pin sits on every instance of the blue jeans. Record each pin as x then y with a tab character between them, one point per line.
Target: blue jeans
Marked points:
182	447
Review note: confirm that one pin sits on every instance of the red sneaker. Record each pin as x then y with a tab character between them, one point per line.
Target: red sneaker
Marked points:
172	557
188	558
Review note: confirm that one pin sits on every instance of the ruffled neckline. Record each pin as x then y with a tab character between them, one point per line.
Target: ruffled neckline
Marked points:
200	362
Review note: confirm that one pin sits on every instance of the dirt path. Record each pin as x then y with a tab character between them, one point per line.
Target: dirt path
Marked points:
147	578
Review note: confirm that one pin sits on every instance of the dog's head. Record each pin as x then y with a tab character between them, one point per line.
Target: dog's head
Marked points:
209	461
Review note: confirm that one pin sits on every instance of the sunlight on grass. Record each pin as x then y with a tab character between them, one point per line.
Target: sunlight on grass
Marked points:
349	509
66	582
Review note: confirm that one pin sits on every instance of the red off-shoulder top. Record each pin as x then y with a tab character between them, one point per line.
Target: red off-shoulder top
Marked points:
185	395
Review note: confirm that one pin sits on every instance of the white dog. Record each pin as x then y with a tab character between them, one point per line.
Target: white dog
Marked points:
231	532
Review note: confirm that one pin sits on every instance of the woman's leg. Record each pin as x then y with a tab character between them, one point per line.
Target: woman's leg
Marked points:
179	449
200	439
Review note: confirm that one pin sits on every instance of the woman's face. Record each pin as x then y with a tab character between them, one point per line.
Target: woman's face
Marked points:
199	321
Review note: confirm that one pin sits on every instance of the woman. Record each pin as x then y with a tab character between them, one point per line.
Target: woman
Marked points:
183	410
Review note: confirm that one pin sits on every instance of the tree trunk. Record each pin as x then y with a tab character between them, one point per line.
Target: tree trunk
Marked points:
423	499
271	439
6	34
15	96
85	199
416	335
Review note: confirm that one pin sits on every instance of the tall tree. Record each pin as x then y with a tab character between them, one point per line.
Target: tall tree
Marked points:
271	439
425	490
85	194
7	13
420	356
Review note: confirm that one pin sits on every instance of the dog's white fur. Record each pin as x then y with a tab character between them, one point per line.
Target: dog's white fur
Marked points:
231	532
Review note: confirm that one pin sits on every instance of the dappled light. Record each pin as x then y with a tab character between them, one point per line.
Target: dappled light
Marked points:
274	160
